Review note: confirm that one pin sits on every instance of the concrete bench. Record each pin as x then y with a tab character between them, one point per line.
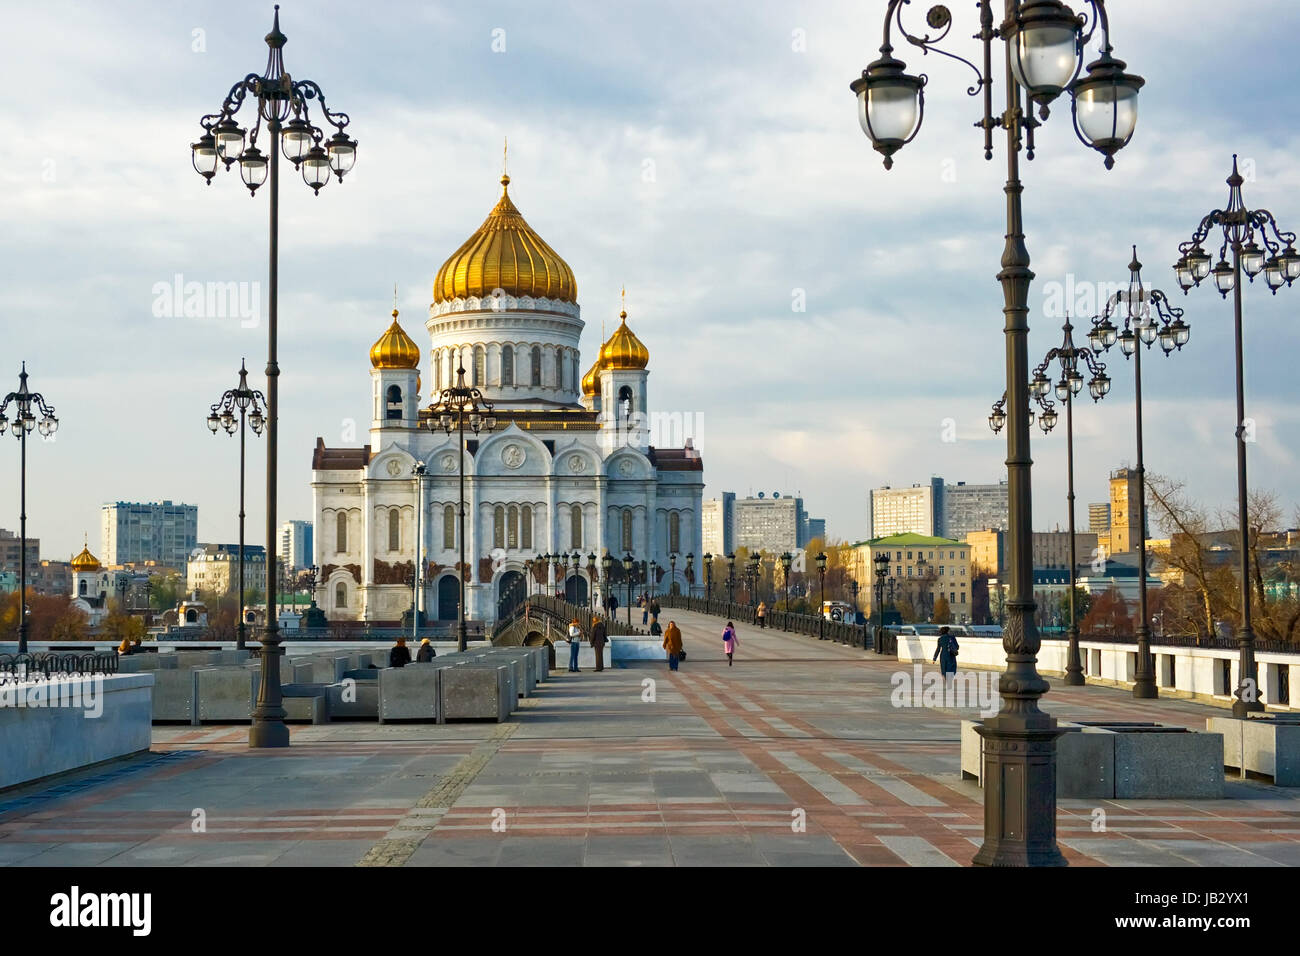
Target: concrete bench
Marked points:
1123	760
476	691
411	692
175	695
225	694
306	702
1267	746
353	699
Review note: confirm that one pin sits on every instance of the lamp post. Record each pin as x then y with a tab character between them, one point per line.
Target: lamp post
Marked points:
672	573
690	574
1042	48
731	578
1148	316
628	562
753	579
591	580
456	407
418	470
881	560
708	578
1067	355
606	563
787	559
853	586
277	96
247	404
821	616
1241	227
24	420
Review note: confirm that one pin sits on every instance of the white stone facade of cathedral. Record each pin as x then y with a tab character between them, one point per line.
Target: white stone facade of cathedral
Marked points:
569	468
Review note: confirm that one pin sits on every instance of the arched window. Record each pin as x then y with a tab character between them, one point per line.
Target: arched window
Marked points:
575	526
480	365
559	368
674	532
394	397
498	527
82	592
512	527
394	530
574	377
341	532
437	372
341	595
625	408
507	365
526	527
627	530
535	372
449	527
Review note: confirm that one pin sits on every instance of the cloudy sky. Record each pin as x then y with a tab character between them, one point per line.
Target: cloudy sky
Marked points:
707	158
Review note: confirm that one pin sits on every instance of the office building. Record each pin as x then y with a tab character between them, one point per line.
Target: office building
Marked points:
774	524
161	532
718	524
914	510
11	551
967	508
296	545
1099	517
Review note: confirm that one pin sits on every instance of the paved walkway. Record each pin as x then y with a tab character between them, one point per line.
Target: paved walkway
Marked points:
794	756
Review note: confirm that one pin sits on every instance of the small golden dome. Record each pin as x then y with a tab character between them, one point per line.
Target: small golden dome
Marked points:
624	350
85	561
505	253
591	381
395	349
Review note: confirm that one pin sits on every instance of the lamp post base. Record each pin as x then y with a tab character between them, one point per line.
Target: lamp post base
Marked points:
1074	664
1019	791
1244	708
268	728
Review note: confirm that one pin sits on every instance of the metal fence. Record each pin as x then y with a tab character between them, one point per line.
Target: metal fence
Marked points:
853	635
337	631
561	612
44	665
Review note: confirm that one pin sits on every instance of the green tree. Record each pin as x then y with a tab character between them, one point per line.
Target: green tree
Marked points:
942	614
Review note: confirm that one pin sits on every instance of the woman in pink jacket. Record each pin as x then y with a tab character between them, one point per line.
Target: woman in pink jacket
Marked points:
729	641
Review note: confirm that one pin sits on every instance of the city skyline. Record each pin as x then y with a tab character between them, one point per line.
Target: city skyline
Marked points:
668	180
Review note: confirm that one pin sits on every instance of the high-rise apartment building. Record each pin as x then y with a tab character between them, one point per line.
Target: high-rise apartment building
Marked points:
1099	517
11	549
915	510
773	524
133	533
718	517
968	508
296	545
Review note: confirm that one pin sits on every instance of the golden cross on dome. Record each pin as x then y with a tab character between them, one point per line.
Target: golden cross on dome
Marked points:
623	313
505	157
394	300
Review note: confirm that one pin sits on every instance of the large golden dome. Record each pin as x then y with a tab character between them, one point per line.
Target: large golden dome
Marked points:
85	561
624	350
505	253
395	349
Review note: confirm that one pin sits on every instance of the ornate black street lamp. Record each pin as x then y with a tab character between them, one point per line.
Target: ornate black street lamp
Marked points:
731	578
853	586
606	562
1148	316
1243	230
821	615
277	97
672	573
246	403
528	570
26	404
787	559
708	578
1067	355
628	562
753	566
591	580
455	408
1044	43
690	574
881	560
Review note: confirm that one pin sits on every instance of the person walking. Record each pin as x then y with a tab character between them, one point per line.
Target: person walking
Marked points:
644	605
762	613
729	641
673	644
613	603
426	653
946	652
599	637
399	656
654	616
575	642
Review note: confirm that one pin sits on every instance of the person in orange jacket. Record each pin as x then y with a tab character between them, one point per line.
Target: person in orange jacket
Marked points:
673	644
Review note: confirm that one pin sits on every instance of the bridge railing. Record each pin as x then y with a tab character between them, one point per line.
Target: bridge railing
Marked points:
561	613
851	635
45	665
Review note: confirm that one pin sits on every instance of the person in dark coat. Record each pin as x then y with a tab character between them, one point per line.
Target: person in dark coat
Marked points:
399	656
426	653
599	637
946	652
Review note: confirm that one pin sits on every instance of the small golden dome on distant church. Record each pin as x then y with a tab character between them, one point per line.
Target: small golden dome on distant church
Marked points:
395	349
624	350
85	561
591	381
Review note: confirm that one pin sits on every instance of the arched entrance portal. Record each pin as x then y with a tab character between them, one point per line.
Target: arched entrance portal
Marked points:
510	593
575	590
448	597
